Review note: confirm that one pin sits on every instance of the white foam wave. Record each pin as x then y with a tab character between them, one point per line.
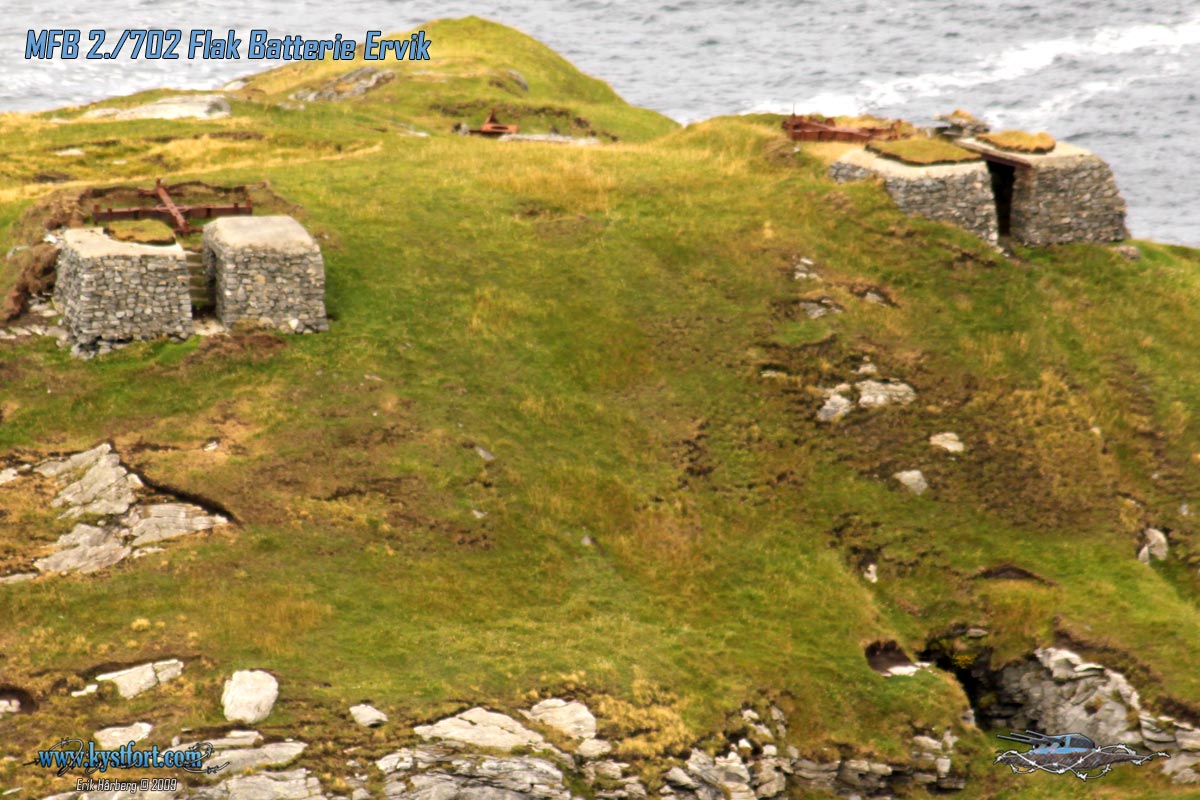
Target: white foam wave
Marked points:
1032	57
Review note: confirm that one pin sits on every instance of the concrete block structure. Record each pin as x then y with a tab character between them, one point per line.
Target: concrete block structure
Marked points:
266	270
112	291
1065	195
960	194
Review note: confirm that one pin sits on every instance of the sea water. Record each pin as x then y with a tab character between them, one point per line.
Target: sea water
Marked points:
1119	78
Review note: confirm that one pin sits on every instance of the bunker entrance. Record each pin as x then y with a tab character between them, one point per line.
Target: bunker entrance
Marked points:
1003	177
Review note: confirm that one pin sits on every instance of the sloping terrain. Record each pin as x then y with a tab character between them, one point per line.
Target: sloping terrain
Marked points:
562	438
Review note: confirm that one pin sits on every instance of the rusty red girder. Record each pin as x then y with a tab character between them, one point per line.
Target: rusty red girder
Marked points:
492	127
173	214
821	129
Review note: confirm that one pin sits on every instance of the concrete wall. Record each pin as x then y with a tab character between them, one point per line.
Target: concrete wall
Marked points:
1072	199
267	270
111	291
960	194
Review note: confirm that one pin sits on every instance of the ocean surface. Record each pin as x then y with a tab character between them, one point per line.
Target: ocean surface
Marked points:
1119	77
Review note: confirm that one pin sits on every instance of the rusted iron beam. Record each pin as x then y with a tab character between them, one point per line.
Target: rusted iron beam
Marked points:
493	127
171	212
165	196
809	129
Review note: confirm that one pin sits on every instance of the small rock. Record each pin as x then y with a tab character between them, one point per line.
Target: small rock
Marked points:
871	574
875	393
485	454
249	696
168	520
133	681
835	408
927	744
18	577
571	718
112	738
368	716
947	441
815	309
482	728
680	779
593	748
91	688
84	558
8	475
1156	545
913	480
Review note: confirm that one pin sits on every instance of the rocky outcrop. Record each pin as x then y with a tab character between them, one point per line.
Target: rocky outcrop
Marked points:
190	106
485	755
95	483
354	83
871	394
479	727
1057	690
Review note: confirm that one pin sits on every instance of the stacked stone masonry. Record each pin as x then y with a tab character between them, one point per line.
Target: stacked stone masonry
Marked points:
110	291
267	270
1068	195
1067	200
959	195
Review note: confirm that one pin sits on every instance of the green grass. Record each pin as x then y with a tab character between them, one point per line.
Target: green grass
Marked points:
600	318
1019	141
922	150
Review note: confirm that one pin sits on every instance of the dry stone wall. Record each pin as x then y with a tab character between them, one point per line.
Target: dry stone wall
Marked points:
110	291
1071	199
960	194
267	270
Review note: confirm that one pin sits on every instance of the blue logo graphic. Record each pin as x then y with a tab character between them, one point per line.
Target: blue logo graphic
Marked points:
1068	752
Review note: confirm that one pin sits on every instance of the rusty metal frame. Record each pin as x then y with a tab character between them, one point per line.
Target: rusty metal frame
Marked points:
169	211
820	129
493	127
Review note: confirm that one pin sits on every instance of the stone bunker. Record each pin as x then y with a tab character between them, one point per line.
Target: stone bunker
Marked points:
109	290
960	194
1065	195
265	270
268	270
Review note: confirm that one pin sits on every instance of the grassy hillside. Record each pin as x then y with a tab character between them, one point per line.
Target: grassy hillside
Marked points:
621	327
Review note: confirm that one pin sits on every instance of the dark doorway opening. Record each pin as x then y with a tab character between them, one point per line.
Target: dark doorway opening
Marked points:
1003	177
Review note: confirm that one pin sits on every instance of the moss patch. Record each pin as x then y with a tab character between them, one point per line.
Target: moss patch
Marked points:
1019	141
923	150
141	231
